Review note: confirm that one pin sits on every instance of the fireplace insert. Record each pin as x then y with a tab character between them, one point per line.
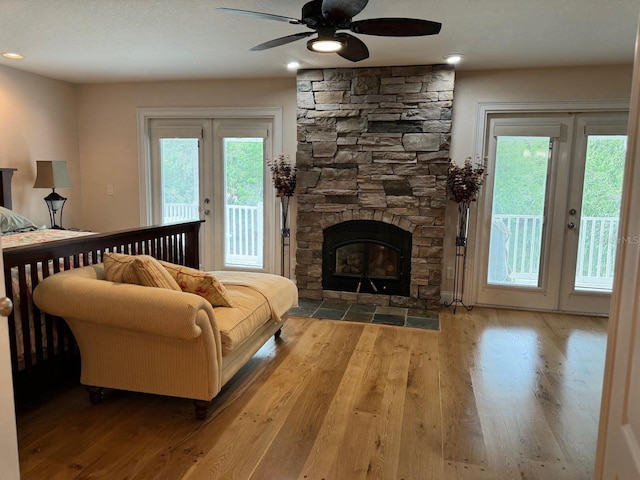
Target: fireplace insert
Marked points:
366	256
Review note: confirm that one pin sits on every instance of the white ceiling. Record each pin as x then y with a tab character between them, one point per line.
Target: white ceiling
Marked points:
89	41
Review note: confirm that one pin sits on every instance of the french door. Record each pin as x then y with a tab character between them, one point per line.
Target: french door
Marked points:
215	169
549	216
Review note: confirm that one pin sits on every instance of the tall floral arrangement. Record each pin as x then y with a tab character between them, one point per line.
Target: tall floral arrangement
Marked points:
283	174
464	181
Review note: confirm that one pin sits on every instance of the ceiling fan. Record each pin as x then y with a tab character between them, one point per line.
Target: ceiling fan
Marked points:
327	17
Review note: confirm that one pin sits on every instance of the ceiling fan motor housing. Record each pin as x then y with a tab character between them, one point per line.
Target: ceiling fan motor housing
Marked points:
312	14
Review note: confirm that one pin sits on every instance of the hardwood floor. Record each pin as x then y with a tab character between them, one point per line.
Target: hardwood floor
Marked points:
496	394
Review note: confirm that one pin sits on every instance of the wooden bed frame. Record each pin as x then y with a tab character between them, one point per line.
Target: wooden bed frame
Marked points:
55	360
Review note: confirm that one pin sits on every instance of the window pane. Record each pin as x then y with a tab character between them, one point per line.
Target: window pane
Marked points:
179	170
244	196
519	193
602	191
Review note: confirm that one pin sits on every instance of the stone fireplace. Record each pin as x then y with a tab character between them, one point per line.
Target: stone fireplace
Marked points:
373	151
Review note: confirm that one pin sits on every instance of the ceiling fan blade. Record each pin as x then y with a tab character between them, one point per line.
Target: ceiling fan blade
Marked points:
265	16
355	49
396	27
342	9
281	41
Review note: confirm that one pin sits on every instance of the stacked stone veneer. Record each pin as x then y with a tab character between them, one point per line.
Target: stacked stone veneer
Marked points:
373	144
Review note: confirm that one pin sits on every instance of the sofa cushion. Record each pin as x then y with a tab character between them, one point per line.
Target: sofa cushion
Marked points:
119	268
250	312
152	274
138	269
201	283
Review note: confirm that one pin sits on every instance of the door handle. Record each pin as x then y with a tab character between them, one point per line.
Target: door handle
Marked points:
6	306
571	226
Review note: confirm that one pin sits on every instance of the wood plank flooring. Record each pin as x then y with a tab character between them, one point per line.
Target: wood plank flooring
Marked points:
496	394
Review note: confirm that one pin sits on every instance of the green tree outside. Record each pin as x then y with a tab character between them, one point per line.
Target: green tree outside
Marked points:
179	170
521	175
244	170
243	166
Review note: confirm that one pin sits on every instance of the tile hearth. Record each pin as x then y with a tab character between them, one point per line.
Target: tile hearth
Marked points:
336	310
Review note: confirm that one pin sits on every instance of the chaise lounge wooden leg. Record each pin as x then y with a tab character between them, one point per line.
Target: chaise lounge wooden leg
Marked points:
96	394
201	408
278	333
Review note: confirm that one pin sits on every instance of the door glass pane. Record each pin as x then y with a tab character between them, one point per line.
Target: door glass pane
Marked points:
243	204
519	191
602	191
179	167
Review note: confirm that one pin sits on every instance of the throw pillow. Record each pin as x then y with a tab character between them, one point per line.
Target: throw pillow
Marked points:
119	268
152	274
201	283
137	269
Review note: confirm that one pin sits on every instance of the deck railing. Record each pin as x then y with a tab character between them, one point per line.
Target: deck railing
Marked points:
244	229
180	212
596	249
245	236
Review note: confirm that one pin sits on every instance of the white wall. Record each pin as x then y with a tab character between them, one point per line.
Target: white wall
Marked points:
108	146
577	84
38	122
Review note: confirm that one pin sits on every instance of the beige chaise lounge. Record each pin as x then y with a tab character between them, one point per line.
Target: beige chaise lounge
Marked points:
160	341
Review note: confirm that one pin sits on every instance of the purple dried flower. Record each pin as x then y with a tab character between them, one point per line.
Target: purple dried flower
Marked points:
283	174
464	181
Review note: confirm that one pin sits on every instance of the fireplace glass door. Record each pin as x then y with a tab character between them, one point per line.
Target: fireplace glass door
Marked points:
367	257
364	258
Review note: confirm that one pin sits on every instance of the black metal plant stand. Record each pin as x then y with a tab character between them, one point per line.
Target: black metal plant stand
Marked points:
285	237
461	258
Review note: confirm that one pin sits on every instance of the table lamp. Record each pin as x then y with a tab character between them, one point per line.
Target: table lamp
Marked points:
53	174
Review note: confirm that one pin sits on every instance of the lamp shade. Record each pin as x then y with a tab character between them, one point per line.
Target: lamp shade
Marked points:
52	174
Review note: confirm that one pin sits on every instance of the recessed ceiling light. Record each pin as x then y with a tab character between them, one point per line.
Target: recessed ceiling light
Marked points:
293	65
453	58
12	55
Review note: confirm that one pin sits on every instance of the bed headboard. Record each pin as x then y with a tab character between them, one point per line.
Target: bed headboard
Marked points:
5	187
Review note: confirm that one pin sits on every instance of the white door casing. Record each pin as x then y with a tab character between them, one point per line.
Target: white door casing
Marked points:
9	465
618	453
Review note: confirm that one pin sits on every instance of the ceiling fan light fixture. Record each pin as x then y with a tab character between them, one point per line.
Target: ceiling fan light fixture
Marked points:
325	45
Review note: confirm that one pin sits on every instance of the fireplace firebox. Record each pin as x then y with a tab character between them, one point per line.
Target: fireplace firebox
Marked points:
367	256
